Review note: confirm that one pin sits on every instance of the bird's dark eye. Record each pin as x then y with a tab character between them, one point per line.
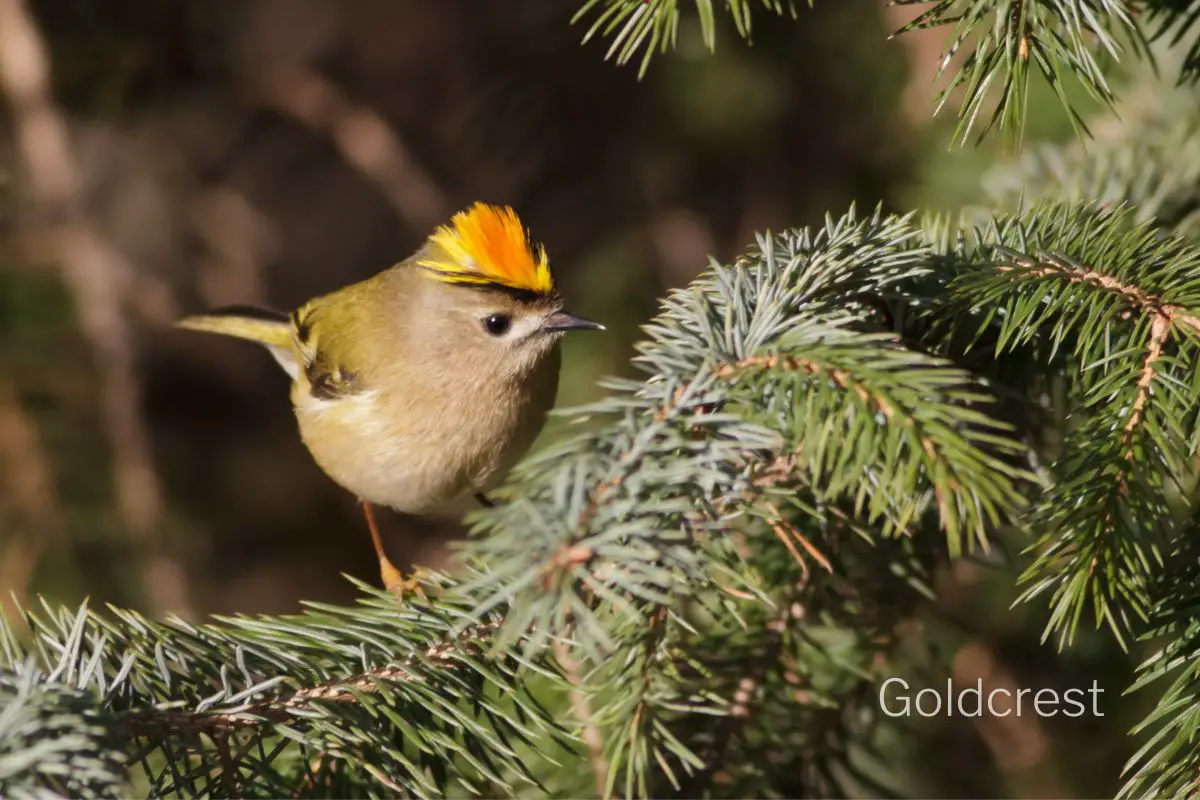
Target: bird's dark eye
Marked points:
497	324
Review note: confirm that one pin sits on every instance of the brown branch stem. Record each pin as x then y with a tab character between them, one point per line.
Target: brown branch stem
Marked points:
1160	329
1163	318
219	723
1144	301
840	377
582	710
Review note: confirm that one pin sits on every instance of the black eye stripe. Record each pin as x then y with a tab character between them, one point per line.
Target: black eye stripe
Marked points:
497	324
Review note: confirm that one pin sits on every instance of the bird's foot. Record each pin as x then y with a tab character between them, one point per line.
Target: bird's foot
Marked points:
395	582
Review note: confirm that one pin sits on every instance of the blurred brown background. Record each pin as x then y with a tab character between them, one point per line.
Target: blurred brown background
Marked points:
202	152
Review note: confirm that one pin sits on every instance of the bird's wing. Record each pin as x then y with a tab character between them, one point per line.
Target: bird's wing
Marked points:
325	352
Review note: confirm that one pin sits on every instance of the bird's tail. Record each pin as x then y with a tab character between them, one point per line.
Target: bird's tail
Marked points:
261	325
270	328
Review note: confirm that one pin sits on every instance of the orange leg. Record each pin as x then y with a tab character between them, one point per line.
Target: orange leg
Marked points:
393	579
387	570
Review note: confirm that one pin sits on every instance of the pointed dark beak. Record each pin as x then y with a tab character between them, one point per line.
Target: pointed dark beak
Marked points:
562	321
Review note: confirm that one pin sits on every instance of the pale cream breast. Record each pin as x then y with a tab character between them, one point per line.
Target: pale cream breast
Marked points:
386	446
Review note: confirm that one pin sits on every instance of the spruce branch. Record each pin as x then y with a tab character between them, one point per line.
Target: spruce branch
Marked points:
1116	306
1167	763
581	708
722	554
1006	44
1008	41
767	391
281	709
1177	20
797	680
650	26
379	696
53	743
744	699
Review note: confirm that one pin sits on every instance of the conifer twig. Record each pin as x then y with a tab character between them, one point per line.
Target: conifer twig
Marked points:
221	723
742	700
581	708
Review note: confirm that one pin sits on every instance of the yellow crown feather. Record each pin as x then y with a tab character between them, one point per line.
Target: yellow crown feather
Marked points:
489	245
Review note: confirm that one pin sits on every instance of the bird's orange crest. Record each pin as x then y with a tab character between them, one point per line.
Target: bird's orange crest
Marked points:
488	245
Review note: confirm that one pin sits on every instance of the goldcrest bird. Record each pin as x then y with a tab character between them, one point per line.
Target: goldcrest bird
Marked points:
427	382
